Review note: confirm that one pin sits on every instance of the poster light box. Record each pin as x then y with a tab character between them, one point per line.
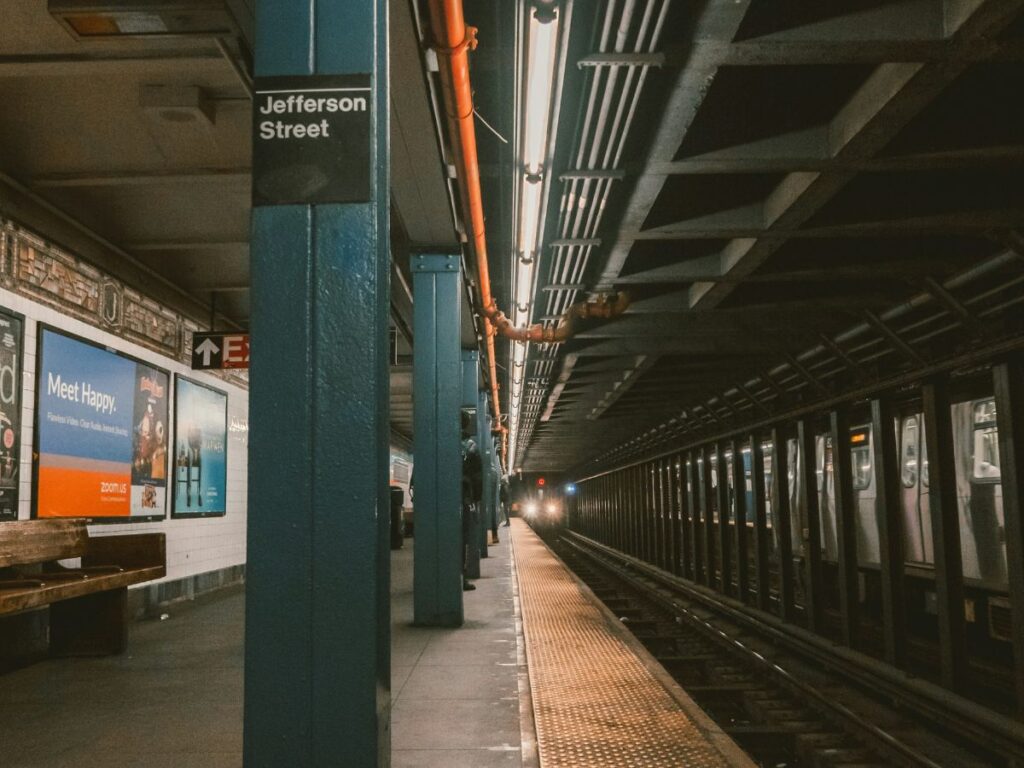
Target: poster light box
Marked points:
101	432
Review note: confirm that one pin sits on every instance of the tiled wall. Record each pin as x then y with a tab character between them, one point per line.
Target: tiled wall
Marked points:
193	546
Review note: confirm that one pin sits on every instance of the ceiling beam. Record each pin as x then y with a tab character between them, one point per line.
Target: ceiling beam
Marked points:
143	177
107	63
775	52
684	272
736	162
680	345
718	22
742	224
891	96
187	245
629	378
678	303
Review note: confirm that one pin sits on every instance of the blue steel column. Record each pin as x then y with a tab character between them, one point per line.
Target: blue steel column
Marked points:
437	451
317	629
470	385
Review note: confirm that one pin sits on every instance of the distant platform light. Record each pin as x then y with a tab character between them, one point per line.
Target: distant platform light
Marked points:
570	489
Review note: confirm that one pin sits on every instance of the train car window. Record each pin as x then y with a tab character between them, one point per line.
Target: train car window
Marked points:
986	442
860	449
908	451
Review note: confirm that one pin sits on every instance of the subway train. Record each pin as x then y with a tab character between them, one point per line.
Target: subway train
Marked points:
980	511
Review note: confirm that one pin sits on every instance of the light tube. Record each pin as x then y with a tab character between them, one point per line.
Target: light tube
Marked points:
531	217
540	66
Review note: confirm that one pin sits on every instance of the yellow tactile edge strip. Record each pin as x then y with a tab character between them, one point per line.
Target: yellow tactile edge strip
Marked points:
596	701
527	724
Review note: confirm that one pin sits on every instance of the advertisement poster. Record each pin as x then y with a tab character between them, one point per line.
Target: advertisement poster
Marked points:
101	432
200	450
11	339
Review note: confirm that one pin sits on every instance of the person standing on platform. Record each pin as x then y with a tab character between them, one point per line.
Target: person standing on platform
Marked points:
472	489
494	521
503	500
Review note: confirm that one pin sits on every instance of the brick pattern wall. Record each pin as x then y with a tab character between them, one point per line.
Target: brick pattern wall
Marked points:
32	267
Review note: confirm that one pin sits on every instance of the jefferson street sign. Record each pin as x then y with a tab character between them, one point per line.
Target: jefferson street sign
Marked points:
312	139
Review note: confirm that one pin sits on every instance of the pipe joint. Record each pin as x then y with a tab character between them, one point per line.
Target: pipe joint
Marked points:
469	43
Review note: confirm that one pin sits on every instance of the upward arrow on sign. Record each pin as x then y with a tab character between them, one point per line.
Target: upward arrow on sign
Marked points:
206	349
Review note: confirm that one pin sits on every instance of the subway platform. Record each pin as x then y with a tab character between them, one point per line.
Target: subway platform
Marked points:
539	675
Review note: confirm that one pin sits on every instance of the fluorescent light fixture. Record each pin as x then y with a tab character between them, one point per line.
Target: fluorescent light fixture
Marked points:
530	220
542	48
540	64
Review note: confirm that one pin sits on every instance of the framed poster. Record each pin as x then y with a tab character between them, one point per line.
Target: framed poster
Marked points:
101	432
200	449
12	340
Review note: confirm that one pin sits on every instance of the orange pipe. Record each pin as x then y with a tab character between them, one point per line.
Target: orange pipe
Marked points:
452	41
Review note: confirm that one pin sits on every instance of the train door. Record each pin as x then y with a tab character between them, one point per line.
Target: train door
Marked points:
798	522
766	451
826	496
864	495
982	531
917	529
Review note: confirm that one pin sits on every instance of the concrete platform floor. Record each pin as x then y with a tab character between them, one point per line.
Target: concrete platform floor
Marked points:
175	699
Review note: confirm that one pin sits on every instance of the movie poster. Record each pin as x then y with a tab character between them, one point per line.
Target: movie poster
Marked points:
11	339
200	450
101	432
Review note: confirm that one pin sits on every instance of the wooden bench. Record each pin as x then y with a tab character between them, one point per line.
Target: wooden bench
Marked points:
88	605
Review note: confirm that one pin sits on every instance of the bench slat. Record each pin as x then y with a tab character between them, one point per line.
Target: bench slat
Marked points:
17	599
39	541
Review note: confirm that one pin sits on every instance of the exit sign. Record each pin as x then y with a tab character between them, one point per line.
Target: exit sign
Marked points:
217	351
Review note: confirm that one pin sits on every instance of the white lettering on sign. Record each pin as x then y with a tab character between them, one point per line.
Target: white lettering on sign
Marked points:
303	104
82	392
236	350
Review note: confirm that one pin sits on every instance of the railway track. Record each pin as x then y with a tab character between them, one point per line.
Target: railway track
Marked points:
788	706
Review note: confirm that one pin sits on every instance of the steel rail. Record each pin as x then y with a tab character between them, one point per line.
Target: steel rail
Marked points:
887	739
972	721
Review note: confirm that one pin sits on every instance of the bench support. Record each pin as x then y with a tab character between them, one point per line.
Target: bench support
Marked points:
92	625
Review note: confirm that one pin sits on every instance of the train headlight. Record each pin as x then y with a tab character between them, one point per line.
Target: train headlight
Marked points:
531	509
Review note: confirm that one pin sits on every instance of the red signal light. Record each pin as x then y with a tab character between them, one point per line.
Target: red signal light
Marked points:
540	482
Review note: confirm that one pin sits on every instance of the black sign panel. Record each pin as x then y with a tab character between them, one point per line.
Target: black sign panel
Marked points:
312	140
218	351
11	339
